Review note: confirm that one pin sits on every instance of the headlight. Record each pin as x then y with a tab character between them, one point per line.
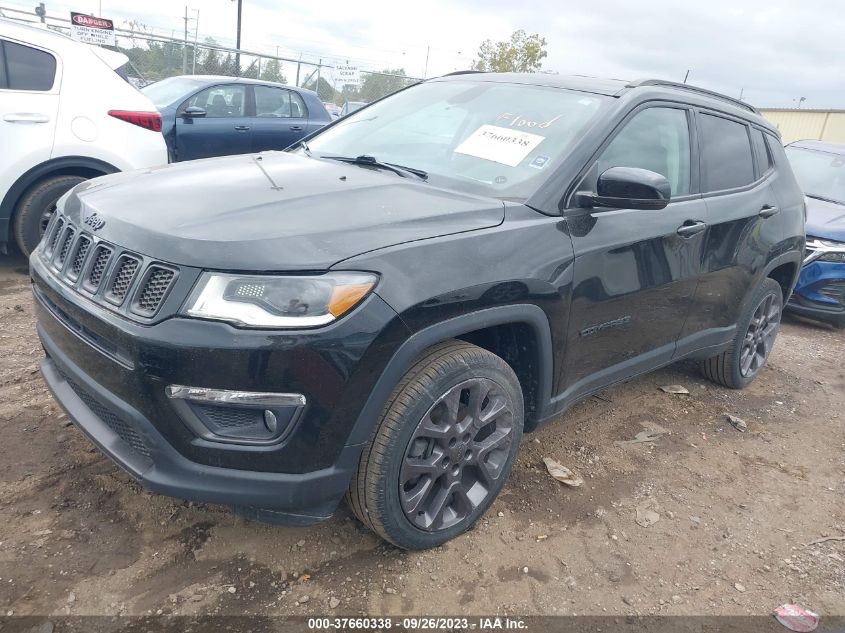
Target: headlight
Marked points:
265	301
825	250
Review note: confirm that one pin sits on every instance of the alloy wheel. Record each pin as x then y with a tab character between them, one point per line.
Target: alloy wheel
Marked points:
44	220
458	451
760	336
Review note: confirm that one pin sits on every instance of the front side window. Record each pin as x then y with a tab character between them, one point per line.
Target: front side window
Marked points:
26	68
492	138
278	102
726	160
220	101
656	139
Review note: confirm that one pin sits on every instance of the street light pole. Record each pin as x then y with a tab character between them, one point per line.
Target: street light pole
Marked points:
238	40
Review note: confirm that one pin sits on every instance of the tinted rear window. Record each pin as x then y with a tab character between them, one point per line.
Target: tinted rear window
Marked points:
26	68
763	155
725	154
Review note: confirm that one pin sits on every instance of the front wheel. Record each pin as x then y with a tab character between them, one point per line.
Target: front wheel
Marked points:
36	207
737	366
443	447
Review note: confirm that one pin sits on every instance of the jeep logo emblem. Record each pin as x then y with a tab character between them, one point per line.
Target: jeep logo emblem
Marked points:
95	221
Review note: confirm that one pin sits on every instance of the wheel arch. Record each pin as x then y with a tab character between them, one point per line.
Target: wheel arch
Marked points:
82	166
493	329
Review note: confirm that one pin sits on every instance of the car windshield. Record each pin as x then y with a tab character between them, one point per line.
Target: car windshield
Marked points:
168	91
489	138
820	174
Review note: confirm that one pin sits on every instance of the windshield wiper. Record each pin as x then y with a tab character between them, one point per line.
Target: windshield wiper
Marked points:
370	161
822	198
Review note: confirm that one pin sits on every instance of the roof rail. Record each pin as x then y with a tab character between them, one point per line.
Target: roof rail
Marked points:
462	72
703	91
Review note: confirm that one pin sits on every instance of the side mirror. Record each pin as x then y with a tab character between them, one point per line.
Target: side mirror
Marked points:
194	112
629	188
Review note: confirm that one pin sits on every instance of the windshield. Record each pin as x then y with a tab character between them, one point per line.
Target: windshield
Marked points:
820	174
489	138
168	91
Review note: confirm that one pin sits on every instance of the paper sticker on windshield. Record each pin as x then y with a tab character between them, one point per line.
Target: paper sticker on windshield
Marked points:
499	144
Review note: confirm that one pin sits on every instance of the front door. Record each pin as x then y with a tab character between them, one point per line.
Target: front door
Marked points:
224	129
635	271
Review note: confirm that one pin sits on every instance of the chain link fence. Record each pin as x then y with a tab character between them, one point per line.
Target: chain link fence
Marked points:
154	57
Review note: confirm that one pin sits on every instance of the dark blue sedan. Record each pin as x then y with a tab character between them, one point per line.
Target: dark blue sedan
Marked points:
820	169
204	116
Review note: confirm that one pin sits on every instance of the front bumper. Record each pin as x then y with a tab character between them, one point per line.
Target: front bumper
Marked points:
820	292
111	374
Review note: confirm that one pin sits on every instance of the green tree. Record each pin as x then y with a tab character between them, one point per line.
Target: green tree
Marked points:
272	71
323	89
209	63
251	71
229	66
522	54
377	85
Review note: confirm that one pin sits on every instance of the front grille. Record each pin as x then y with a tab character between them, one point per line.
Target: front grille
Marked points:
122	278
124	430
112	277
82	247
54	236
95	275
154	289
67	240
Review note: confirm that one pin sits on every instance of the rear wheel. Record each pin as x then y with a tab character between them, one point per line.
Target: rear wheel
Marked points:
37	206
443	447
756	332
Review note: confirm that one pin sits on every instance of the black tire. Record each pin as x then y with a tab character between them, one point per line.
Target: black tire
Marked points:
36	207
731	368
420	402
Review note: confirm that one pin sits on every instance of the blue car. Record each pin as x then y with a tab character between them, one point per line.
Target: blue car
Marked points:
820	169
204	116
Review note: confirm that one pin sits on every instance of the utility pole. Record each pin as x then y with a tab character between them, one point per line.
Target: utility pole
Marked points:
319	68
185	45
425	72
298	66
196	34
238	40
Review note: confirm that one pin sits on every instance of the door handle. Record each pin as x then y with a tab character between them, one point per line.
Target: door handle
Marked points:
690	228
26	117
296	128
768	211
242	128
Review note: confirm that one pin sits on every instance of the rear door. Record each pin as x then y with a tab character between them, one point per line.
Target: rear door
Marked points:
29	105
744	222
635	271
281	118
225	129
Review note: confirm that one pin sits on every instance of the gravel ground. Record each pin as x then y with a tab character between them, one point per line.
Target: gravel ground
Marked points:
737	512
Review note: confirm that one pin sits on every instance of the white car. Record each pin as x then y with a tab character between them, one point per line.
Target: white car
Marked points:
66	115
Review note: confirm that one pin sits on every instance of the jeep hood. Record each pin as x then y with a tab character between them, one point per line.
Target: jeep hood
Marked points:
272	211
825	219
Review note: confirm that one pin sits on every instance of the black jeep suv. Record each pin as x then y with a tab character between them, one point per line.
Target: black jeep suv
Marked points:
382	311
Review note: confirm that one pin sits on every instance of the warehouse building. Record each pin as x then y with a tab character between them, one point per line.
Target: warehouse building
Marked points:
796	124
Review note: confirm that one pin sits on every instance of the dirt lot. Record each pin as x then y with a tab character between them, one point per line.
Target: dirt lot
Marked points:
736	510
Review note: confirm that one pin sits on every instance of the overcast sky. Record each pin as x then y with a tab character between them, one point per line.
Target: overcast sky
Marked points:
773	50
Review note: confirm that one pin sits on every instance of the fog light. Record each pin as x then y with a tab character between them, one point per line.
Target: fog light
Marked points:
270	421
